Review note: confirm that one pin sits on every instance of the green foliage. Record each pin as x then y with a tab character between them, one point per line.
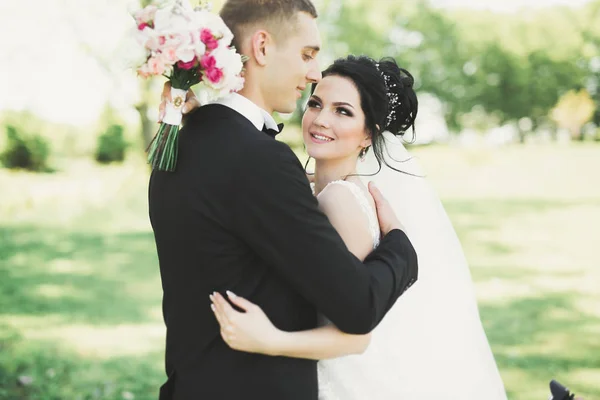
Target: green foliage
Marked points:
65	140
112	145
23	151
511	65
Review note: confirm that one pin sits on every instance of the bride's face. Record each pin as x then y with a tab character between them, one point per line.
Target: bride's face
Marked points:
333	126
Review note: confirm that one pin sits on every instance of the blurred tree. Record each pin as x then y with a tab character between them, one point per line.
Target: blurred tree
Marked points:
515	66
25	151
430	44
148	129
106	56
514	87
590	28
112	145
418	36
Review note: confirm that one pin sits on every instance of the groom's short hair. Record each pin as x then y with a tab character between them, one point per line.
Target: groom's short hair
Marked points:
274	15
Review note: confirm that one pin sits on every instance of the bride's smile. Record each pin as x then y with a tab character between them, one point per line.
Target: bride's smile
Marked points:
335	118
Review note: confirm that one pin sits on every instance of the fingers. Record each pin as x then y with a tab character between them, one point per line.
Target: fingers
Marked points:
164	97
380	201
161	111
385	213
191	103
224	307
219	306
219	313
166	93
189	95
241	302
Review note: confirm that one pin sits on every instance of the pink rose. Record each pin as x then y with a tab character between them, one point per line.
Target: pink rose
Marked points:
214	75
152	43
146	14
187	65
156	66
208	62
208	39
169	55
143	71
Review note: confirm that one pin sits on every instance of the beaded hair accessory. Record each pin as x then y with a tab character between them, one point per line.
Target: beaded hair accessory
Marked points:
393	99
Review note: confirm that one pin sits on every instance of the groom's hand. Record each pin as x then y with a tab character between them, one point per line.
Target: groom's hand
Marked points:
387	218
191	101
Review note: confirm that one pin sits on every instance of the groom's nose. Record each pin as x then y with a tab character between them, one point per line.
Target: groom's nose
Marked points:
314	73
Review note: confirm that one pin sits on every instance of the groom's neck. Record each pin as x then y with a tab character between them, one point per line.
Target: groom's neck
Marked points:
255	96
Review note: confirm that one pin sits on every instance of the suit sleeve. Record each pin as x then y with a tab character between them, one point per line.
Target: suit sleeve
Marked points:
277	215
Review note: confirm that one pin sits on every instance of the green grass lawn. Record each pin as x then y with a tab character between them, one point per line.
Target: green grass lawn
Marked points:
529	221
80	294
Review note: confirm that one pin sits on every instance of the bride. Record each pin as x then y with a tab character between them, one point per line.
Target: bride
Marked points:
431	344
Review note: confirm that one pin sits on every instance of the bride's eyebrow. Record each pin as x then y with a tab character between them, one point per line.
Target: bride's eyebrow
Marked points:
336	104
342	103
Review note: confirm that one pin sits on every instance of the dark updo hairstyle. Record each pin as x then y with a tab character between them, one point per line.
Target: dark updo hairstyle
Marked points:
386	94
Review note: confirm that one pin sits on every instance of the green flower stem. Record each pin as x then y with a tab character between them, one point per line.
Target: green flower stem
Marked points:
162	152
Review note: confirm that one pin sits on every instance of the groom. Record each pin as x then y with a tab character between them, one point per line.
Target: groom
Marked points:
238	214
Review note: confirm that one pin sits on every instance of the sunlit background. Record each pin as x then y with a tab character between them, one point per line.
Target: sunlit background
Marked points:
508	131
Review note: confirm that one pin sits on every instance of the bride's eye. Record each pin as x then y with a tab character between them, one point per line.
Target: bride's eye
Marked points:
344	111
313	104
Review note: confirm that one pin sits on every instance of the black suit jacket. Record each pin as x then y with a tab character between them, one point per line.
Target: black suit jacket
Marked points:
238	214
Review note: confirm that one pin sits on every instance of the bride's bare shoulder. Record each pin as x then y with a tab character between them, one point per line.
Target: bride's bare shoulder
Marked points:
336	192
344	210
344	189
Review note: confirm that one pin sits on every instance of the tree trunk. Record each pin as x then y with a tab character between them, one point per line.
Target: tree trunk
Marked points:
581	134
554	133
522	135
577	133
148	129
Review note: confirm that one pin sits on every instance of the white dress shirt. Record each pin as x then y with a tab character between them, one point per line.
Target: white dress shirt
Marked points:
248	109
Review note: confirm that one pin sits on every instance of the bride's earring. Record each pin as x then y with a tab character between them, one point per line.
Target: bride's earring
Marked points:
363	153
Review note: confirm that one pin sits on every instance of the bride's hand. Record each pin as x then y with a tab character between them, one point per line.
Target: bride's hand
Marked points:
250	331
385	213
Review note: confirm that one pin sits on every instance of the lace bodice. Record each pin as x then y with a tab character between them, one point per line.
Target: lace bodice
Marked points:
366	206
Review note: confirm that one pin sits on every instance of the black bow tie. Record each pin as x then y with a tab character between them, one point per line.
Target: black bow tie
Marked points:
272	132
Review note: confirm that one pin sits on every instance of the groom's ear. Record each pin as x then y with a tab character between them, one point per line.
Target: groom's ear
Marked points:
260	42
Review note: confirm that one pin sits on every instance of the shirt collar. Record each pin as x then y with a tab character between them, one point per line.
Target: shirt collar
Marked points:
248	109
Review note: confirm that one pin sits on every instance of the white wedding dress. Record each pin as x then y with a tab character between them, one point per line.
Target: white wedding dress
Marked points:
431	344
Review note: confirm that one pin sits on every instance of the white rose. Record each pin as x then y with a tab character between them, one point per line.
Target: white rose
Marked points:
205	93
131	52
211	21
166	22
228	60
199	48
185	54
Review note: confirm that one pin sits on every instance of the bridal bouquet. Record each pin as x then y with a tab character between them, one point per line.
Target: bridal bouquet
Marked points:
188	46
